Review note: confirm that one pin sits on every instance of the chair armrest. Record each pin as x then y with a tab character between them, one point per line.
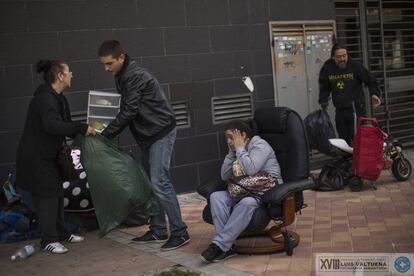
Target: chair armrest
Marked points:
210	186
277	194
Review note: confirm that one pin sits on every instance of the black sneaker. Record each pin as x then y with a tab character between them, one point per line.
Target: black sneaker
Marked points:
176	242
150	237
211	253
225	255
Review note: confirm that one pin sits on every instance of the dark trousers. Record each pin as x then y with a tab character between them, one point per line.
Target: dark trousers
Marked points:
49	213
344	120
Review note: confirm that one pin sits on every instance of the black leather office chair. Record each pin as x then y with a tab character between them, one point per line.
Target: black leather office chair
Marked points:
283	129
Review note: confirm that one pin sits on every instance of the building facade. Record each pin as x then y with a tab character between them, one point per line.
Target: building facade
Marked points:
198	49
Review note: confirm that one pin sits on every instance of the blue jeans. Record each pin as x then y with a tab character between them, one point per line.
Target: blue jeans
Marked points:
230	218
156	161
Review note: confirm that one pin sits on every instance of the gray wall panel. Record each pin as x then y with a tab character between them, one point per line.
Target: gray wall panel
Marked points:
56	15
229	87
230	38
262	62
16	107
211	66
78	101
203	121
3	92
81	72
209	171
78	45
239	12
169	68
184	178
195	149
12	17
9	142
160	13
264	87
243	63
100	14
259	11
27	48
197	93
99	77
196	48
141	42
265	104
18	81
259	37
186	40
206	12
302	10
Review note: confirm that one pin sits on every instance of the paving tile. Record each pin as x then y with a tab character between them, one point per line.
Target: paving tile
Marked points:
380	221
393	222
321	243
276	273
341	236
360	231
404	248
278	265
322	226
339	228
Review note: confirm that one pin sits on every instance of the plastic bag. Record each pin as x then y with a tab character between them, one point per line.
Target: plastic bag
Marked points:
320	129
16	226
330	179
118	183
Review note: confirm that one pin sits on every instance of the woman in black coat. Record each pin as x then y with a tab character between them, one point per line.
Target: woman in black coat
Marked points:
47	123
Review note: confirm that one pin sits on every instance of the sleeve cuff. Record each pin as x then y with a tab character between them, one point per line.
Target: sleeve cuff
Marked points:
240	150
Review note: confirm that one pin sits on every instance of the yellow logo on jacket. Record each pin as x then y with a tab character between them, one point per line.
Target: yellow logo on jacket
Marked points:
340	85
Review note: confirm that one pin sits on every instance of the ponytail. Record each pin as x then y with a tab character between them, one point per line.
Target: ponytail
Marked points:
50	69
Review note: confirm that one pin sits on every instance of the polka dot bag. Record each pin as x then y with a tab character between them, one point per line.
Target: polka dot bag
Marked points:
77	196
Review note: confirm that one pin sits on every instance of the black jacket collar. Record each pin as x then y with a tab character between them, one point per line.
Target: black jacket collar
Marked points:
46	88
124	66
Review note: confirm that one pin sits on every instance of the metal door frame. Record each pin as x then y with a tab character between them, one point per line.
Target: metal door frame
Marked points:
302	24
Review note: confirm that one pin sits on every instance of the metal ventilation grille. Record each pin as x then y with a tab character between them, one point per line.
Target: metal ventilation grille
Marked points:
181	114
232	107
280	28
79	116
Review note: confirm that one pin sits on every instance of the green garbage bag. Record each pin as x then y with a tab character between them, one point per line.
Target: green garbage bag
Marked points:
118	183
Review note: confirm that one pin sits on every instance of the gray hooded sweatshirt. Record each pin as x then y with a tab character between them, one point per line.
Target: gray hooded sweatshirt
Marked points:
257	156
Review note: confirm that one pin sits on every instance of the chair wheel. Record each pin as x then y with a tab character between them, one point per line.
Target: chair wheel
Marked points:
287	243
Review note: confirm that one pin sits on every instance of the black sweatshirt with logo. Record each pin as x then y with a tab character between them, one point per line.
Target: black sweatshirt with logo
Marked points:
345	84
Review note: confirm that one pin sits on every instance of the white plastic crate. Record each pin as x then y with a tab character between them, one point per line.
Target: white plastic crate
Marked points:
102	107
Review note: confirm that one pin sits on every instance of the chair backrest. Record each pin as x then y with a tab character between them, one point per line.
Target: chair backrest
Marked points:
284	130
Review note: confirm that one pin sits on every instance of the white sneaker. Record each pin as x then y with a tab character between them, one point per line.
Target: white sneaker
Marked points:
75	239
55	247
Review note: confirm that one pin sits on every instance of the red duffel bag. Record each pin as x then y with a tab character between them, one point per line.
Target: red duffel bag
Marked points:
367	161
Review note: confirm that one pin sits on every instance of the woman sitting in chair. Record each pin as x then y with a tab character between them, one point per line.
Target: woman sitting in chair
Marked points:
248	155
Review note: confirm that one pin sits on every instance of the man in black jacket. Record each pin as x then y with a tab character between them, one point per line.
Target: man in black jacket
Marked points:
344	77
145	109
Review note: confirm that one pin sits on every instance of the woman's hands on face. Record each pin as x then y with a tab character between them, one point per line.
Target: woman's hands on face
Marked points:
238	139
90	131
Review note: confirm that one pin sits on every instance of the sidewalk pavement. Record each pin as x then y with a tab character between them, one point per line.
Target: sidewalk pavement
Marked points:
370	221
